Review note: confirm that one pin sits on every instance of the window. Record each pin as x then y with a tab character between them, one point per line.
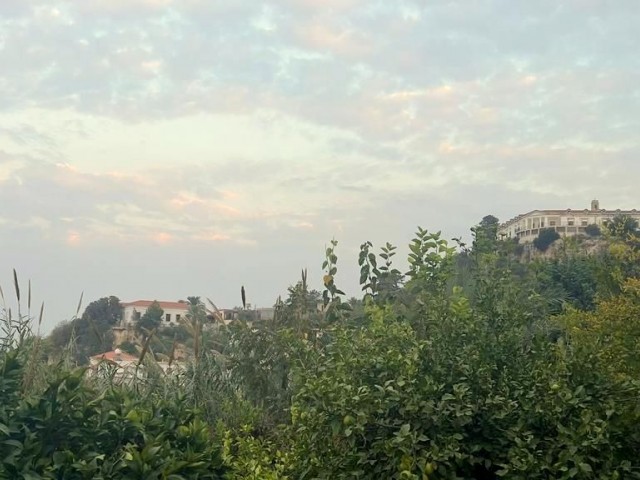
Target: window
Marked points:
136	315
571	222
177	317
168	317
552	223
584	222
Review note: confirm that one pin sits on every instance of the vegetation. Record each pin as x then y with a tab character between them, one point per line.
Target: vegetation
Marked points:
623	226
151	319
473	364
89	334
546	237
593	230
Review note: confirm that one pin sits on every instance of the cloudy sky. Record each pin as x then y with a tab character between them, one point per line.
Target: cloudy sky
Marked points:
165	148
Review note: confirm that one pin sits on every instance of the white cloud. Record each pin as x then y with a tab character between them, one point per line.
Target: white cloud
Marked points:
182	129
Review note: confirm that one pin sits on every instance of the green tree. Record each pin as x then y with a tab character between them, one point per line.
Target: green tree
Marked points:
299	310
593	230
151	319
91	333
569	279
485	235
546	237
623	226
486	395
611	333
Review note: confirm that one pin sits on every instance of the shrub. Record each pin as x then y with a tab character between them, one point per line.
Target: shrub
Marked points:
472	401
546	237
73	431
593	230
129	347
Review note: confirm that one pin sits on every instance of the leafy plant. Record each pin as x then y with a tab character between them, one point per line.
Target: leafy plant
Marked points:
545	238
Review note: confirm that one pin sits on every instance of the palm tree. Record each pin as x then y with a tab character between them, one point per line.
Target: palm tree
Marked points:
623	226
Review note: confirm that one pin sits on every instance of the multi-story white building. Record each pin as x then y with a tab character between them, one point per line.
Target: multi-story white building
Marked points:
174	312
527	227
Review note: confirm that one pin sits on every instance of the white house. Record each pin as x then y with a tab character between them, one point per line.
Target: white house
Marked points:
174	312
527	227
124	368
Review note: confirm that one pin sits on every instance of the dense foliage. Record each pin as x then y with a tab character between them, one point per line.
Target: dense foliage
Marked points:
473	364
90	333
545	239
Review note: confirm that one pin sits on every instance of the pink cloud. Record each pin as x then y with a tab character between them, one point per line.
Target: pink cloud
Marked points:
162	238
73	239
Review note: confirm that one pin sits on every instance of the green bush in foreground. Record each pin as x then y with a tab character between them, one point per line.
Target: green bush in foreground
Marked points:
71	431
436	384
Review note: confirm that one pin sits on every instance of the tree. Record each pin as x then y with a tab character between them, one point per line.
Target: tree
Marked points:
300	309
91	333
485	235
623	226
544	240
593	230
197	310
611	332
152	318
568	279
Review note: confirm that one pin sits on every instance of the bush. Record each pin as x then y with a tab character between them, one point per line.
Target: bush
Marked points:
472	401
72	431
593	230
544	240
129	347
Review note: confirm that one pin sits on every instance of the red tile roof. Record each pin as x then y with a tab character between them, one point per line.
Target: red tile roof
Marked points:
163	305
111	356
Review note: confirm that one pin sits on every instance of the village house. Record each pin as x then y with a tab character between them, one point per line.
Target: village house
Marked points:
527	227
124	368
116	364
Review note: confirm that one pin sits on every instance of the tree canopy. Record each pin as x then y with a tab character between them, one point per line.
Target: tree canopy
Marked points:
91	333
151	319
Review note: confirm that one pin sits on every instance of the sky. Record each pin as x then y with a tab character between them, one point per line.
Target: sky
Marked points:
155	149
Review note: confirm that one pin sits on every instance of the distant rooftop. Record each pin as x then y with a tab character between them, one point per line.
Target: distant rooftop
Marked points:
115	356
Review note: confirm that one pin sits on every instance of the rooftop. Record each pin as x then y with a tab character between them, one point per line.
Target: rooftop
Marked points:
163	305
115	356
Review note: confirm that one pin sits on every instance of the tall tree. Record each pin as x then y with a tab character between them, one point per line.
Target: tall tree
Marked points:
91	333
152	318
623	226
544	240
485	235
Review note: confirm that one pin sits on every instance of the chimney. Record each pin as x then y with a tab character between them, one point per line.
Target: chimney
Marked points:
595	205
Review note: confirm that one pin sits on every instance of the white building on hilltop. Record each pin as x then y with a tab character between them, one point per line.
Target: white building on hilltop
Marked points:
174	312
527	227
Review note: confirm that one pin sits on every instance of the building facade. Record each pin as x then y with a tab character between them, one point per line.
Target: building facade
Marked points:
174	312
122	367
569	222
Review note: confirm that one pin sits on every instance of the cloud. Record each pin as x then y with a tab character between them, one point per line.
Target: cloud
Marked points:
169	131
